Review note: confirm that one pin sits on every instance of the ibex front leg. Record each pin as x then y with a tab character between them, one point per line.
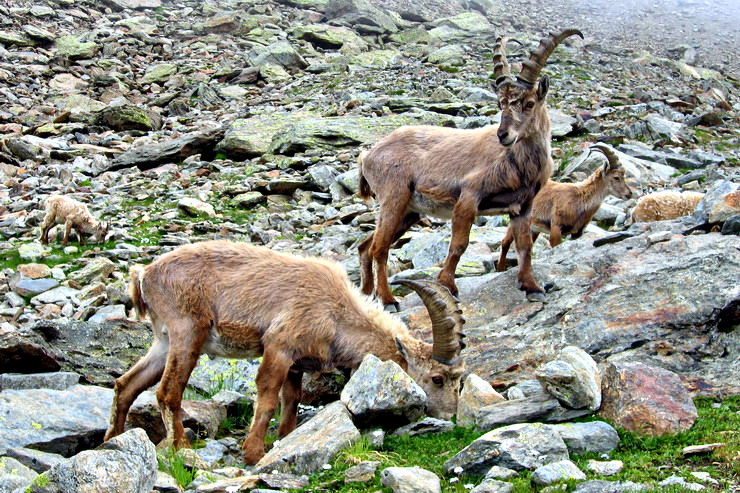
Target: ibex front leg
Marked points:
523	239
270	377
463	216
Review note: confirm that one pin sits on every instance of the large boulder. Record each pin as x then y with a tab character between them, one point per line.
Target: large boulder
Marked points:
99	352
639	170
381	393
125	464
594	436
58	421
518	447
666	304
313	444
646	400
23	351
361	15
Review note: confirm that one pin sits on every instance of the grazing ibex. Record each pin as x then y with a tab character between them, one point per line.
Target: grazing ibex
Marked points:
668	204
567	208
300	314
73	214
459	174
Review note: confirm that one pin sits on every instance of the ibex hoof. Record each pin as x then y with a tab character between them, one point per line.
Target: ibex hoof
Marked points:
392	307
535	296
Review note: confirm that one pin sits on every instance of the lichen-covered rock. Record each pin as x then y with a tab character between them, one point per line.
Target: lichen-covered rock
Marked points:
493	486
515	411
55	380
59	421
593	436
74	49
601	486
282	54
160	72
646	400
127	117
476	393
96	270
605	468
556	471
381	393
410	480
326	36
313	444
425	426
14	475
125	464
573	378
35	459
520	446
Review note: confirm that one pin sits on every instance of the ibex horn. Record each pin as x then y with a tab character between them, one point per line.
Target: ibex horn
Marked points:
531	68
446	317
501	68
607	151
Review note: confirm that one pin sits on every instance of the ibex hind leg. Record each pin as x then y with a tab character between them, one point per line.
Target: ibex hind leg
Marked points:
145	373
290	396
186	342
523	240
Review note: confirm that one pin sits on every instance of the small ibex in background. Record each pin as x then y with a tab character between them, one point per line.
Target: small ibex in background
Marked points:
566	208
73	214
664	205
460	174
300	314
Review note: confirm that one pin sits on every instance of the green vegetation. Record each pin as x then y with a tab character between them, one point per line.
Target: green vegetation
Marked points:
173	464
646	459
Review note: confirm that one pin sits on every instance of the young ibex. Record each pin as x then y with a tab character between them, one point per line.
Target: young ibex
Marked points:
668	204
300	314
73	214
459	174
566	208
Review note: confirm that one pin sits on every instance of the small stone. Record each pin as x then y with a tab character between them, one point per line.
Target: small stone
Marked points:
32	287
660	236
498	472
194	207
410	480
375	438
361	473
682	483
476	393
701	449
249	199
110	312
605	468
557	471
601	486
493	486
425	426
32	251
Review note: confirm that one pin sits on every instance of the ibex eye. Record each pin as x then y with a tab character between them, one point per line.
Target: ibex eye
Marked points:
437	380
530	105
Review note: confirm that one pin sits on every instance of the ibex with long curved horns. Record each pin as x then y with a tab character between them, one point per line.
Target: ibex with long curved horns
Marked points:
458	174
562	209
300	314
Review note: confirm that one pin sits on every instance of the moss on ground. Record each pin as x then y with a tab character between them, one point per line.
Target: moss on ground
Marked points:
646	459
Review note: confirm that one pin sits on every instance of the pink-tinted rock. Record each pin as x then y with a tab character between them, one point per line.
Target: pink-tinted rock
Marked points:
34	271
646	400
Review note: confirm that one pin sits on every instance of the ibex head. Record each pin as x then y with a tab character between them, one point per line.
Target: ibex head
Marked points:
439	368
613	172
521	100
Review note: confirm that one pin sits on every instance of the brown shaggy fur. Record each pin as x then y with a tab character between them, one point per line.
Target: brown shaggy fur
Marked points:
566	208
73	214
300	314
668	204
458	174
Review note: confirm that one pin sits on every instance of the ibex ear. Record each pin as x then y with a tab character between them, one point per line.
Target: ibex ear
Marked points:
402	349
606	167
542	87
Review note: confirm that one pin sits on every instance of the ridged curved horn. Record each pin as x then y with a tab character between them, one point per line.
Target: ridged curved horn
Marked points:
501	68
531	68
446	317
607	151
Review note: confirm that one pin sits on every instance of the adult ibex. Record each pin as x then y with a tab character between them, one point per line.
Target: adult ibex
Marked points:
459	174
566	208
300	314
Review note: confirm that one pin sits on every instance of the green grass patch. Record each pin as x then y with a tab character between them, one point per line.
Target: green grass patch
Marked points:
173	464
646	459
